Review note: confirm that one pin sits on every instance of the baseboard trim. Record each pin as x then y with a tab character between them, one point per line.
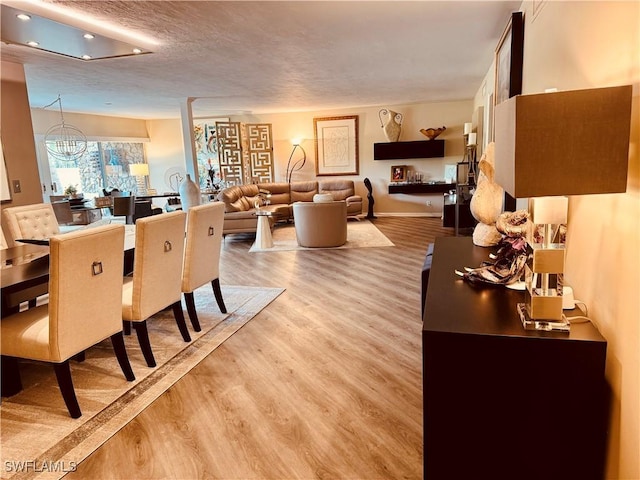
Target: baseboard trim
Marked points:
408	214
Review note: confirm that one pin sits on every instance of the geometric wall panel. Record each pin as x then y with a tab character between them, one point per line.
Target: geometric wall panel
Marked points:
260	150
230	152
245	152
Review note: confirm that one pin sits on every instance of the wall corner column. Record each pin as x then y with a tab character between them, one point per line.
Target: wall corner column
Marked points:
186	120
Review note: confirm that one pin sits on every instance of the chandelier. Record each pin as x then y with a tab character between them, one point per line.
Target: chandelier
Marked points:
64	141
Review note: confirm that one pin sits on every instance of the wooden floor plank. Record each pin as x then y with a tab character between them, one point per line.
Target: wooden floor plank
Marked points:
324	383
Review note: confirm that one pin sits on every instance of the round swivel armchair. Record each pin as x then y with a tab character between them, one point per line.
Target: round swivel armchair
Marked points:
320	224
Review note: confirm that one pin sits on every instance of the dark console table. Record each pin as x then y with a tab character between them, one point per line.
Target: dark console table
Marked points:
501	402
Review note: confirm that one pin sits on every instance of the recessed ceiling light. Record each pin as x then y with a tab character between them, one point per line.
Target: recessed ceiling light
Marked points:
137	50
55	37
23	16
79	16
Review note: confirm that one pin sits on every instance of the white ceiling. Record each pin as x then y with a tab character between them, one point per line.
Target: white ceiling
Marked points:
267	57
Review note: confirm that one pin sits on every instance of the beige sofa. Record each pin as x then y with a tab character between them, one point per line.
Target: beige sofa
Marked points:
240	201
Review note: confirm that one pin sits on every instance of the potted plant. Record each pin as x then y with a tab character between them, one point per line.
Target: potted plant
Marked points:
71	191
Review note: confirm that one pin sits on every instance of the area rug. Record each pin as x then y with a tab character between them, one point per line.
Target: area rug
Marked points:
360	234
40	440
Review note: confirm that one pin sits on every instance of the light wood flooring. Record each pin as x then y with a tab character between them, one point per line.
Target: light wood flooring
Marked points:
325	382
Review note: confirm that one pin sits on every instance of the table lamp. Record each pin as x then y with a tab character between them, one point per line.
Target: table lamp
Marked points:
548	146
140	171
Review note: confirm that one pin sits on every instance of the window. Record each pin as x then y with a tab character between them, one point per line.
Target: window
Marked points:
104	165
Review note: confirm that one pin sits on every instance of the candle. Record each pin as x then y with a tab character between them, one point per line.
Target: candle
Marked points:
467	128
472	139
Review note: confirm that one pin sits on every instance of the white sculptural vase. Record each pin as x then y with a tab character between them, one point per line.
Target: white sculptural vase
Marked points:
486	203
189	193
391	123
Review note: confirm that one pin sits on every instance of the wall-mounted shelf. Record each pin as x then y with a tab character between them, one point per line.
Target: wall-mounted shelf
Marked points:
421	187
415	149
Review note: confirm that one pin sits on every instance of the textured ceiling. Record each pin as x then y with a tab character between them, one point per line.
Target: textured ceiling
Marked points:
268	56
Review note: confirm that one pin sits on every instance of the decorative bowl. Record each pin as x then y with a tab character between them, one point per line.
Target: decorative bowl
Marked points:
432	133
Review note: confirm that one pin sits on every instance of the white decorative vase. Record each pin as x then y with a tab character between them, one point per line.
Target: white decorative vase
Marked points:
189	193
391	123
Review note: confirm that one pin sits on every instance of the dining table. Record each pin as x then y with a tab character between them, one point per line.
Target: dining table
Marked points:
25	266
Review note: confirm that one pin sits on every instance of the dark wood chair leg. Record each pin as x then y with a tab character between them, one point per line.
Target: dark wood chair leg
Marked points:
191	309
10	380
79	357
126	327
32	303
63	374
218	294
143	340
117	340
182	325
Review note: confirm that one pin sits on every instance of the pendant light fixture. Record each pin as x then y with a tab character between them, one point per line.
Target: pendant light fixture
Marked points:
64	141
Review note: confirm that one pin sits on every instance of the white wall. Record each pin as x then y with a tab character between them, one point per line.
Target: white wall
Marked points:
577	45
95	127
18	149
164	151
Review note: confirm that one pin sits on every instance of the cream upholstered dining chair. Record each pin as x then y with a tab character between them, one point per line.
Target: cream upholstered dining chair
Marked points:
31	222
157	274
202	255
73	320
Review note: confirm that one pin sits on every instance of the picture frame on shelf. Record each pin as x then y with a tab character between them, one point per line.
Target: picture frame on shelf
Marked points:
336	145
451	173
399	173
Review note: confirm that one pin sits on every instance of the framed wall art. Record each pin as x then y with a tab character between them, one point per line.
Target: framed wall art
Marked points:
508	60
336	143
509	55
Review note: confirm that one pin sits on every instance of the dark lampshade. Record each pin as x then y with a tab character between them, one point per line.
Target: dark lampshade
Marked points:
564	143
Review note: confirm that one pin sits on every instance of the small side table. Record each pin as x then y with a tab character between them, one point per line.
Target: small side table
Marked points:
263	231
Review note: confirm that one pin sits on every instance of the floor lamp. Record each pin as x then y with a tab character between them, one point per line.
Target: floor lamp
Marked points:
298	164
547	147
